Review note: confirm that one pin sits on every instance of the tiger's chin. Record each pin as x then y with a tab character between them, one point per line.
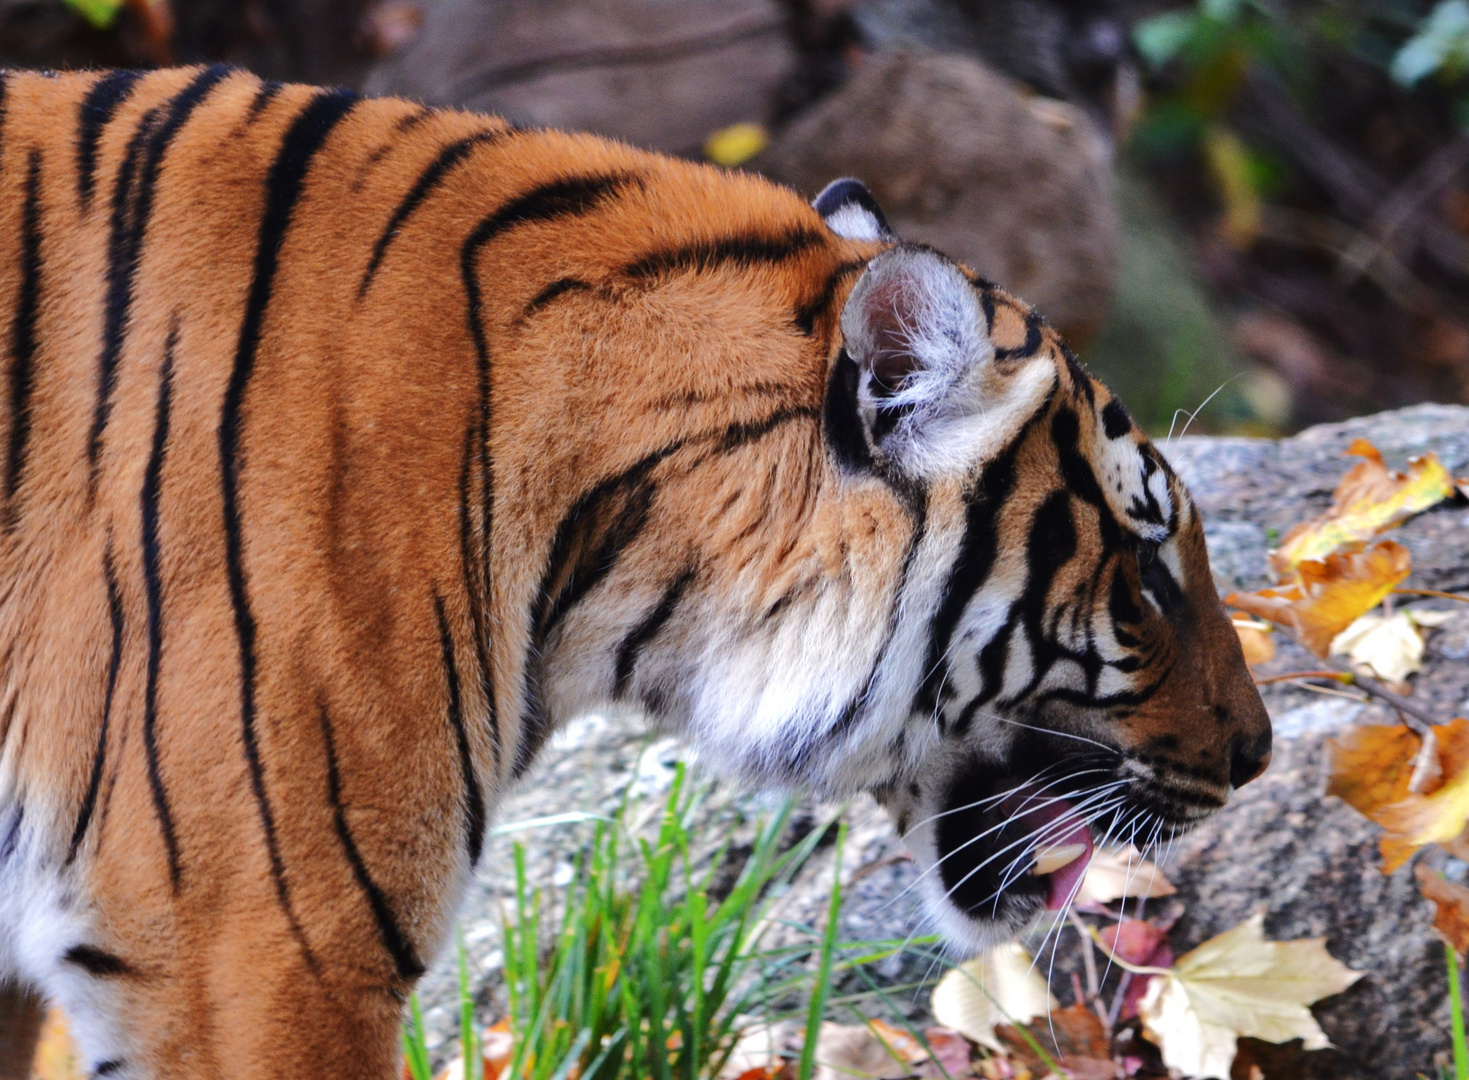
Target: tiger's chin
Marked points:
999	849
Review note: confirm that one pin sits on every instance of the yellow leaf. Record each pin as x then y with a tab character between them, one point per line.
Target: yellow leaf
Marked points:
1239	984
1329	595
1254	640
56	1054
1372	769
1112	875
1000	986
1230	167
1369	499
735	144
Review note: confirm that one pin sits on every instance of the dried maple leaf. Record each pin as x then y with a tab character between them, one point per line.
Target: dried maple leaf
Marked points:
1113	875
1254	639
1369	499
1328	596
1372	770
1141	944
1239	984
1451	907
996	987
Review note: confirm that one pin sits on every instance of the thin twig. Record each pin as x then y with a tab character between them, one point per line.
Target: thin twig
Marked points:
1405	708
1088	959
1435	592
1295	676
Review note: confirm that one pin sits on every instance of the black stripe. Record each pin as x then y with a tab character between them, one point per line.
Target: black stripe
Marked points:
12	834
558	288
108	1067
741	251
283	187
131	210
405	958
97	110
89	800
1032	343
807	314
474	802
448	159
850	713
977	553
267	93
4	89
153	588
477	592
628	498
560	198
95	961
632	645
23	338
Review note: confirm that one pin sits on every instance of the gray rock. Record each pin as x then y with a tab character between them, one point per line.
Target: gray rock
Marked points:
661	74
1282	845
942	141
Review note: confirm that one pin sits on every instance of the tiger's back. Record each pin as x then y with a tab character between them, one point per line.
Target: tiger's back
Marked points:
349	446
234	390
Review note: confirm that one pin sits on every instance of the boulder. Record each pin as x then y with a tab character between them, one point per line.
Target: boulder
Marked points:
661	74
1282	845
1017	186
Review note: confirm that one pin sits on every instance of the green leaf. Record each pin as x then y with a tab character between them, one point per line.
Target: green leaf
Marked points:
1160	38
100	13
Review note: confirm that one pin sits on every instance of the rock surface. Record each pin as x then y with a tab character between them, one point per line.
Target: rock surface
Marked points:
1281	844
943	141
661	74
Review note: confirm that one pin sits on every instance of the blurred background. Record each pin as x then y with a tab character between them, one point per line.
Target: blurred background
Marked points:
1259	203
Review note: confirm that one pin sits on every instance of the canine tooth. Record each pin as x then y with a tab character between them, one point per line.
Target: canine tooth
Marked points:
1050	859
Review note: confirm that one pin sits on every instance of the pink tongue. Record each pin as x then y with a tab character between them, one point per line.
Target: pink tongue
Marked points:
1063	882
1054	819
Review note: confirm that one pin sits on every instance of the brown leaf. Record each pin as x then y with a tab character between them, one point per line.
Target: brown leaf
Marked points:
1328	596
1369	499
1451	907
1372	771
1254	639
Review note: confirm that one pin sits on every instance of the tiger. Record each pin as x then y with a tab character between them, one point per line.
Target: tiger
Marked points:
349	447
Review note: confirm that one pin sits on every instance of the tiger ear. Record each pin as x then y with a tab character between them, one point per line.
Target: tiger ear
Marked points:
851	212
916	347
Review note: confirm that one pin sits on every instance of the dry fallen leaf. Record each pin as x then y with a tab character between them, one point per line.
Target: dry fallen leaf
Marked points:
1387	647
1451	907
1328	596
1239	984
736	144
1112	875
844	1051
56	1054
1369	499
1372	770
998	987
1074	1037
1254	639
1141	944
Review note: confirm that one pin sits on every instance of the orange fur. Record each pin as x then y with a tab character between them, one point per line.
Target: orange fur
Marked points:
306	730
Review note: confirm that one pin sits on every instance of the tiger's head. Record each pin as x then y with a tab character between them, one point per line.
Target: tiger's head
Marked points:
904	545
1076	682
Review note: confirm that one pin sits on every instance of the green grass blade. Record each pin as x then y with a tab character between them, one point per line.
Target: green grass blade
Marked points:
1456	1012
823	970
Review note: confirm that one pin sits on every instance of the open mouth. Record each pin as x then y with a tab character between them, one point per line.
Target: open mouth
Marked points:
1008	848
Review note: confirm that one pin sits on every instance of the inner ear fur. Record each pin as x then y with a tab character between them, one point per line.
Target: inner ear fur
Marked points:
916	331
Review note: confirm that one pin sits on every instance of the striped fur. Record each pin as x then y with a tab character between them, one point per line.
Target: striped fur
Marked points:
350	447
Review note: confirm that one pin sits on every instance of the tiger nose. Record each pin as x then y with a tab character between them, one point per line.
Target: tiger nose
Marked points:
1248	758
